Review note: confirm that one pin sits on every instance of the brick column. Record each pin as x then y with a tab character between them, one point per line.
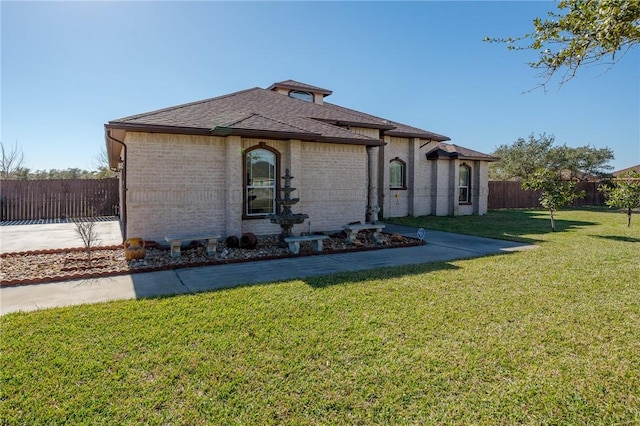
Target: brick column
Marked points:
454	190
234	185
372	197
412	176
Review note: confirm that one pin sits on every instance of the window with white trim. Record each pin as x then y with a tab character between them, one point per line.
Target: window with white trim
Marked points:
464	184
260	184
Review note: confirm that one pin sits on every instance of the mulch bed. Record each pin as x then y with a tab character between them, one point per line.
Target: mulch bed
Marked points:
42	266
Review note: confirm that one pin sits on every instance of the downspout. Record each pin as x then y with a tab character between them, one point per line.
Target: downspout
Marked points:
123	176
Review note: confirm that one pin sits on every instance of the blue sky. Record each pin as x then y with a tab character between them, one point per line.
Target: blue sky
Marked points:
70	67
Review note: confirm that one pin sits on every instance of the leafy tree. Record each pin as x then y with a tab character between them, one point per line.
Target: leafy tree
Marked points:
581	163
555	192
583	32
70	173
12	162
624	194
520	160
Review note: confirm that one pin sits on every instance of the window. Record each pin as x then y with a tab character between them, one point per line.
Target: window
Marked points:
260	185
464	184
298	94
397	174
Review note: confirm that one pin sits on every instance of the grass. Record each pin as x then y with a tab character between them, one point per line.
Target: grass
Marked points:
546	336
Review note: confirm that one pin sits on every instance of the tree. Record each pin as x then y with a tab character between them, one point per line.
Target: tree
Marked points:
70	173
555	192
520	160
88	233
101	164
624	194
583	32
581	163
12	161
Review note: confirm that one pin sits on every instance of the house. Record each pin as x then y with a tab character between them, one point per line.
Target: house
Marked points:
216	165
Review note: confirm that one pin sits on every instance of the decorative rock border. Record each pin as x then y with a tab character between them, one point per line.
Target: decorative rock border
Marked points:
412	242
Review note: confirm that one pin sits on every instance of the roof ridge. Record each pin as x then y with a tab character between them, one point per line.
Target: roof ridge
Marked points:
244	117
391	122
177	107
338	128
266	118
283	122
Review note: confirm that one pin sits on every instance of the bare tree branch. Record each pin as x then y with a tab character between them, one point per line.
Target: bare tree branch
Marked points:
11	162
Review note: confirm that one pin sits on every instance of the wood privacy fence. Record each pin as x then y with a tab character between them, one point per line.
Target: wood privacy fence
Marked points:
58	198
510	195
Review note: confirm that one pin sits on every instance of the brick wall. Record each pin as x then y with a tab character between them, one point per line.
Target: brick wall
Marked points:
175	184
179	184
333	184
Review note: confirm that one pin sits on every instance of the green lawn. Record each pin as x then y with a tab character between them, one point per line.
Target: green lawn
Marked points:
545	336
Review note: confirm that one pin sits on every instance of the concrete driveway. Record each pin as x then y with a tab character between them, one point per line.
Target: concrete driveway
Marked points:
15	238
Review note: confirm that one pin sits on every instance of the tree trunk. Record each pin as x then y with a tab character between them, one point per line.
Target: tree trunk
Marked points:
629	217
553	224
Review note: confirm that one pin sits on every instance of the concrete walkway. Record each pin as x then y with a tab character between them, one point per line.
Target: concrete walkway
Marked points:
441	246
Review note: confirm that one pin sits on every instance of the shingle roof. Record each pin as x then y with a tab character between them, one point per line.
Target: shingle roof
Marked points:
627	170
455	151
259	111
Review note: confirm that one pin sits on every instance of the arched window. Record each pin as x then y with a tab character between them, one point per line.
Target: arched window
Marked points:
260	171
464	184
397	174
299	94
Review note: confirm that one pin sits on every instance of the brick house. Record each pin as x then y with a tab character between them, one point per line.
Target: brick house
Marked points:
216	165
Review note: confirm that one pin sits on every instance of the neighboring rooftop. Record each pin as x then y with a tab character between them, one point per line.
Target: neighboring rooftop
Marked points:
627	170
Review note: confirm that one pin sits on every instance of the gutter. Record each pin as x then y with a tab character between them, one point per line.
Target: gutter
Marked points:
229	131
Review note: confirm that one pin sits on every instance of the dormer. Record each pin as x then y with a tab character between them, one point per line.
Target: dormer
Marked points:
302	91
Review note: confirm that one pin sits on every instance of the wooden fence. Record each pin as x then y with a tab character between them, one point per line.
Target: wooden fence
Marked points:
58	198
510	195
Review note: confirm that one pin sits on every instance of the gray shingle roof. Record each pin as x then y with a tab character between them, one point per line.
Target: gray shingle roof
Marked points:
263	111
455	151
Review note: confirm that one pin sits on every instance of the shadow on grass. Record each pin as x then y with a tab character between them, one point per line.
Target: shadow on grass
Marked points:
618	238
512	225
386	273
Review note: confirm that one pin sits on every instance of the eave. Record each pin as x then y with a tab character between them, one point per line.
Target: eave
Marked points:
345	123
433	137
249	133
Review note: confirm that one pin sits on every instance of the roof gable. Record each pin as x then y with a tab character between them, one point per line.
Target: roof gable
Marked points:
296	85
451	151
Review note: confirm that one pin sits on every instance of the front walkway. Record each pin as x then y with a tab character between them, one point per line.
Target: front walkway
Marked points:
441	246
